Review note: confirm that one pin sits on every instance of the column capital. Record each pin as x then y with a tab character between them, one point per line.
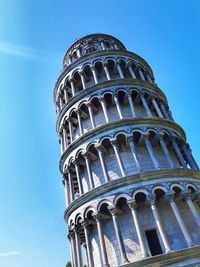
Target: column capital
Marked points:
85	223
129	139
99	147
145	136
114	142
101	98
71	79
105	64
152	199
81	72
132	204
92	67
98	217
114	210
169	195
86	154
186	194
71	235
76	162
161	136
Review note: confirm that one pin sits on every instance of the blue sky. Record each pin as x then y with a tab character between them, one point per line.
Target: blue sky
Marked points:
34	36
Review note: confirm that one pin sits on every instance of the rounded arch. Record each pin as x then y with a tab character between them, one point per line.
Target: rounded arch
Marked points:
140	191
79	152
121	195
191	187
159	187
78	218
121	132
103	202
89	211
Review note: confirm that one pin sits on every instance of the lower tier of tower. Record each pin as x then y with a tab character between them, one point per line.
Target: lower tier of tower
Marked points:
139	220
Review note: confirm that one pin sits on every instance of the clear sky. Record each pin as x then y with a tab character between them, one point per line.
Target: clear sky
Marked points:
34	36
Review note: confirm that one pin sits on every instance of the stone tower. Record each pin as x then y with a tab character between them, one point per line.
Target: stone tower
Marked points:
131	183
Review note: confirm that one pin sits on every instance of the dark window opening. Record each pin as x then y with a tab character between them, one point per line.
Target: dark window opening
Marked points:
153	242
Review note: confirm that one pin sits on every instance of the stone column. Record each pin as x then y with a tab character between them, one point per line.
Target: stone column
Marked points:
121	74
152	198
103	104
178	152
71	238
89	172
149	78
91	114
70	123
99	149
115	146
71	188
72	82
186	195
64	138
130	100
78	248
145	105
141	74
164	111
80	186
170	197
85	224
82	75
66	189
93	69
103	46
114	211
98	219
118	106
105	65
133	207
190	159
61	102
134	152
65	95
131	71
165	149
79	122
151	151
58	106
156	107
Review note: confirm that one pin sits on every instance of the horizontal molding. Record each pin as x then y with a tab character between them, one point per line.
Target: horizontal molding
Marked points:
188	257
129	180
137	122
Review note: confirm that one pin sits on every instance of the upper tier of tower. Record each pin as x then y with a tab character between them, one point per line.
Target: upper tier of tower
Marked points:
89	44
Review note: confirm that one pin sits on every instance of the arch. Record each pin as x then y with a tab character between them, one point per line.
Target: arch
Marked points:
121	195
141	190
121	132
160	187
78	218
79	152
102	202
91	209
191	187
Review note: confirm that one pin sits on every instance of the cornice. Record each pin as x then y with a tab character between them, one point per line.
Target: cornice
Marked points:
139	122
99	54
129	180
107	85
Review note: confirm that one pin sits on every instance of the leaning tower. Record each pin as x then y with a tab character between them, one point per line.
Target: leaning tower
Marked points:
131	183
